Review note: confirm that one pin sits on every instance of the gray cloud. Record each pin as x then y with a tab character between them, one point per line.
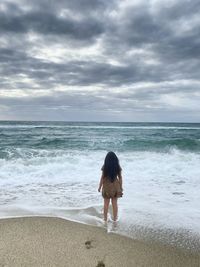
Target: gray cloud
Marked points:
48	23
138	57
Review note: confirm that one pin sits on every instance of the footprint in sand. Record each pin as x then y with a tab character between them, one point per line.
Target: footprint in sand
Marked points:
88	244
101	264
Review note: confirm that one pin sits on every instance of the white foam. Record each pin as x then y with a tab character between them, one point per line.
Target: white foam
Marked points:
159	188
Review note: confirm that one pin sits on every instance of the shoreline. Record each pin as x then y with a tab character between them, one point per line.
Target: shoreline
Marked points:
52	241
178	238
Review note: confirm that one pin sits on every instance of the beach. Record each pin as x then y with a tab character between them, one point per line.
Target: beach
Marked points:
51	241
52	169
99	133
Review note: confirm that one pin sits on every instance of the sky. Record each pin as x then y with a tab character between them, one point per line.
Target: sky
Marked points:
100	60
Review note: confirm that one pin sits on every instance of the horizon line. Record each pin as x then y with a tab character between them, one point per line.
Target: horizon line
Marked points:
97	121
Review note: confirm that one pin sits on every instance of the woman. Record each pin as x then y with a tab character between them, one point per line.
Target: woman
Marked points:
111	183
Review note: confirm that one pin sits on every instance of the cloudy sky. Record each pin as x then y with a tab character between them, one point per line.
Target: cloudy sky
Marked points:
100	60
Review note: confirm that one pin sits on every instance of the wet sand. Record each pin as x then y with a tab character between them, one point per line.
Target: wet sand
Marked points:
47	241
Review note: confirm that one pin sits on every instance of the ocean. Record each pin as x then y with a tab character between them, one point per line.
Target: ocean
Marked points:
53	169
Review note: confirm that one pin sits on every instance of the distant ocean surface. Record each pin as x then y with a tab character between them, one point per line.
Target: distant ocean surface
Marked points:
53	168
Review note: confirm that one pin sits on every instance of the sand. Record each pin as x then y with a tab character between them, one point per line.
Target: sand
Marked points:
45	241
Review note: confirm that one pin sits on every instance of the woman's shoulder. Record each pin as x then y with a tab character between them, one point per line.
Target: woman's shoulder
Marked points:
120	168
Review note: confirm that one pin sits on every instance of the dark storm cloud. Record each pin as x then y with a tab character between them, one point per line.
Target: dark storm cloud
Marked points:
153	43
48	23
179	9
141	27
73	72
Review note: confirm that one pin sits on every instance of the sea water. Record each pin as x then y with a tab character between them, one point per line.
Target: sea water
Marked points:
53	168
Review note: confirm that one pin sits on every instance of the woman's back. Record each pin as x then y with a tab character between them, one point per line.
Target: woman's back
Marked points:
111	183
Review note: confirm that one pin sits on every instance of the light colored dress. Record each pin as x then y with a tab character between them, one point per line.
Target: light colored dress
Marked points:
111	189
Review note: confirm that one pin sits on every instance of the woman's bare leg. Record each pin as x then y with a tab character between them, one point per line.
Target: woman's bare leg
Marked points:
106	206
115	208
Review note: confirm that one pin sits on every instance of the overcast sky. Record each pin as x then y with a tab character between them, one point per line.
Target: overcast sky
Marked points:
100	60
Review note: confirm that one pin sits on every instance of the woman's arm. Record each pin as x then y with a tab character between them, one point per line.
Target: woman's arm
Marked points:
120	179
101	182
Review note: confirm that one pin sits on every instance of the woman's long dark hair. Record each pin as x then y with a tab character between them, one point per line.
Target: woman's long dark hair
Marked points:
111	167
